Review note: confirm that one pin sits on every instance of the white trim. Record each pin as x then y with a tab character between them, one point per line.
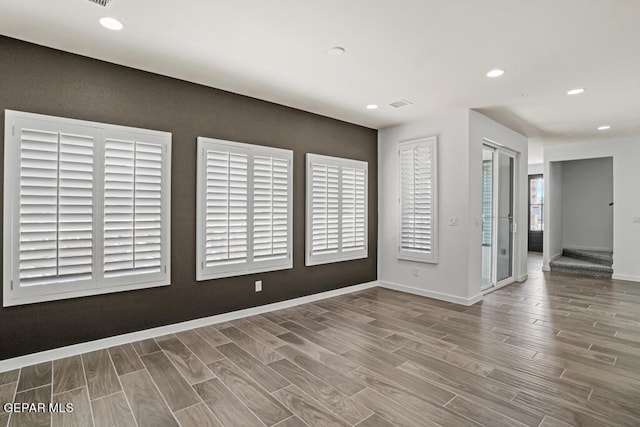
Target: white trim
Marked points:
496	145
431	294
523	278
76	349
626	277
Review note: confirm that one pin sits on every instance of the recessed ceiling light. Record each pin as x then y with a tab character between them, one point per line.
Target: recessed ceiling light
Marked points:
337	51
577	91
605	127
495	73
372	107
111	23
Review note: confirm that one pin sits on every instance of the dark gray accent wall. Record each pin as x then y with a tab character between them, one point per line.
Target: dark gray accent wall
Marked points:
47	81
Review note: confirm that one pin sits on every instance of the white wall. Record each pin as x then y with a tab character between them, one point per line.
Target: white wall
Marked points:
447	279
457	276
536	169
587	218
536	151
552	243
626	213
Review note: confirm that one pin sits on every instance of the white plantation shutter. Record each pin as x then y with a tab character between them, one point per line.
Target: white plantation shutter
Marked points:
418	225
75	207
336	209
148	207
244	212
86	208
270	208
118	206
353	209
56	207
325	208
132	207
226	208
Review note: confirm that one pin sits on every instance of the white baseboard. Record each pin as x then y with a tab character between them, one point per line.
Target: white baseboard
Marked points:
522	278
73	350
431	294
626	277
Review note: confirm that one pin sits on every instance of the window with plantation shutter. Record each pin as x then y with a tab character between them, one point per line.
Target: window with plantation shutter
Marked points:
324	237
56	207
86	208
132	207
418	200
336	209
244	209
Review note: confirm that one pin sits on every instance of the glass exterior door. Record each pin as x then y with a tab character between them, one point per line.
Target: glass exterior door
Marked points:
504	260
498	213
487	216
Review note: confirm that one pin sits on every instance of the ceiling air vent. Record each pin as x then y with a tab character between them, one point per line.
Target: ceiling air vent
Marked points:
401	103
101	2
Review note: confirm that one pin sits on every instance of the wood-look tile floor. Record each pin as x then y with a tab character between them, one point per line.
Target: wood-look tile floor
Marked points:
553	351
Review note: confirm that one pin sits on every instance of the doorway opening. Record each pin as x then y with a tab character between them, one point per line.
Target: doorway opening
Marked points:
581	217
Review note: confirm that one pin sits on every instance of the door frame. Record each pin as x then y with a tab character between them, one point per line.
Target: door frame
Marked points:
495	285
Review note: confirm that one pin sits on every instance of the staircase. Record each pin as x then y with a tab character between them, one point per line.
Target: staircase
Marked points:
584	263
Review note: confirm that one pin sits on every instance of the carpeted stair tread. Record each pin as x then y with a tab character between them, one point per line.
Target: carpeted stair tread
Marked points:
570	265
597	257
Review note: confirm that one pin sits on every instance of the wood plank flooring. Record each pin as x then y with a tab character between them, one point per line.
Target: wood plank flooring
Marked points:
556	350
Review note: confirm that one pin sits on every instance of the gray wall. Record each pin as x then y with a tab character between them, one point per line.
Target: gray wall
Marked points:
587	190
46	81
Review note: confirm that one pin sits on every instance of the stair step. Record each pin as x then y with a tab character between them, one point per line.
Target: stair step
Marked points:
598	257
565	264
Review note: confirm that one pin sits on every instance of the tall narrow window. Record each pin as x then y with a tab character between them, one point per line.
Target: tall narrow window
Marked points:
418	200
245	210
86	208
336	209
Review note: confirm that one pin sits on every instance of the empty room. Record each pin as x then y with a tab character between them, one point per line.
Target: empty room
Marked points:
321	213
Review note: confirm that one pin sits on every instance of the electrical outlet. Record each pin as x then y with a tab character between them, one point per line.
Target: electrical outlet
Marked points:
258	285
453	221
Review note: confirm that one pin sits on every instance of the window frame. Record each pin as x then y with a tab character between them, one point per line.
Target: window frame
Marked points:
98	284
349	255
530	205
430	257
204	273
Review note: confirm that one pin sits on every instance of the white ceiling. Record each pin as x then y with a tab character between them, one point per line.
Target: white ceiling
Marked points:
433	53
